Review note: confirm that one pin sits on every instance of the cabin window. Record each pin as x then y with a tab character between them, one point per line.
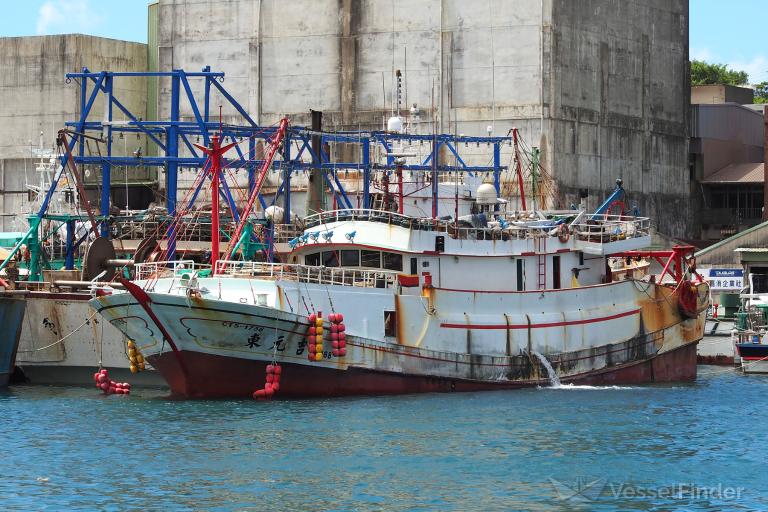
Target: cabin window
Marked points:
390	323
370	259
556	272
414	266
520	275
350	258
581	259
312	259
393	261
330	258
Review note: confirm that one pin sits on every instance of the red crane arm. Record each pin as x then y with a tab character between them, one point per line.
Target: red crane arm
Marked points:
275	143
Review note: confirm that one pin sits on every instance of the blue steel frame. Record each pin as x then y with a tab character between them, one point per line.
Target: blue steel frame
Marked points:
169	134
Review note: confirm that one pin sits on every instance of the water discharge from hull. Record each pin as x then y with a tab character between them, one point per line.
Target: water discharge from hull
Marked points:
554	380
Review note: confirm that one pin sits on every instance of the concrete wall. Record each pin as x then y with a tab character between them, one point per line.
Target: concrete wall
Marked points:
618	102
600	85
33	92
34	98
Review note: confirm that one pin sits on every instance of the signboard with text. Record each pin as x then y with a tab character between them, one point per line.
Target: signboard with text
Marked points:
731	279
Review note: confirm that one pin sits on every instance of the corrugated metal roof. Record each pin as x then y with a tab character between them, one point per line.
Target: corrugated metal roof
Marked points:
738	173
751	249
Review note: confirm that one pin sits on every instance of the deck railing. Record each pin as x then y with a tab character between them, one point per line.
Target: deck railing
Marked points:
308	274
515	226
159	269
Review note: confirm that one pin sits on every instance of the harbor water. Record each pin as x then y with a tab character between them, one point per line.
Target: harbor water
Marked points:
683	447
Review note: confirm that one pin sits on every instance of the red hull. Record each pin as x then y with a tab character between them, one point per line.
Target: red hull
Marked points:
212	376
717	360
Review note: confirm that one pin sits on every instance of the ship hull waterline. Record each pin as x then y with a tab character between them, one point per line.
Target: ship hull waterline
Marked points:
209	349
303	381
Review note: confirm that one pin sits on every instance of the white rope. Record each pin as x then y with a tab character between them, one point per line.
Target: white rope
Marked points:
65	337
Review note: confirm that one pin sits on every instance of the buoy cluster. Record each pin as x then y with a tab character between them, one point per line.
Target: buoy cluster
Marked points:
338	335
137	360
272	385
110	387
315	337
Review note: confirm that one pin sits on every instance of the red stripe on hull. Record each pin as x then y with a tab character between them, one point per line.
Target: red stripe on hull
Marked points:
541	326
213	376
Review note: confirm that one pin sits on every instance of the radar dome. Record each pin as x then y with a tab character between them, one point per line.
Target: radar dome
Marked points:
486	194
395	124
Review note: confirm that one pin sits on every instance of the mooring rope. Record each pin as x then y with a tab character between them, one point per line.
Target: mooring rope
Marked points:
65	337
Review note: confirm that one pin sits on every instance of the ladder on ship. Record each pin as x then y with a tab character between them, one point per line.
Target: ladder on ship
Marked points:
540	246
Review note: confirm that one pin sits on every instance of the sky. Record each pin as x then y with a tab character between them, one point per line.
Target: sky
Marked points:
721	31
730	32
117	19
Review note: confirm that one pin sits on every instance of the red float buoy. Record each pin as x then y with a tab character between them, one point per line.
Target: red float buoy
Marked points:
312	318
335	352
339	318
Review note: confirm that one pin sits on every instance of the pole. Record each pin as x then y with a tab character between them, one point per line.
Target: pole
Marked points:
275	142
399	171
287	179
69	262
106	167
518	168
172	167
215	170
434	178
315	185
367	174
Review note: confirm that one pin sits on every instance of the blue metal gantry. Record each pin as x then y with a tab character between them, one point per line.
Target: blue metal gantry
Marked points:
172	134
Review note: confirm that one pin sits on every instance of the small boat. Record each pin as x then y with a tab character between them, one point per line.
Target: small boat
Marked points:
754	356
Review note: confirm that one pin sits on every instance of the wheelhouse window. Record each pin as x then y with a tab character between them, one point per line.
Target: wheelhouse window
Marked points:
350	258
370	259
393	261
330	258
312	259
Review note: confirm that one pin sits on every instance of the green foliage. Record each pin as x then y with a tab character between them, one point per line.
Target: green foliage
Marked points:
761	92
705	73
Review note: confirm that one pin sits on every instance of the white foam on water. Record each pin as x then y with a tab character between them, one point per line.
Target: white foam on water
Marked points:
593	388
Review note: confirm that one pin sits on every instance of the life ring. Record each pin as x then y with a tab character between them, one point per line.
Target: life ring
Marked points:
563	233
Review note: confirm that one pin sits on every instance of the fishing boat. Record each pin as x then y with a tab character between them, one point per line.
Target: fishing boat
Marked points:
371	301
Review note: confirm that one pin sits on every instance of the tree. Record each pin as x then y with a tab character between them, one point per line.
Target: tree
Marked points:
761	92
705	73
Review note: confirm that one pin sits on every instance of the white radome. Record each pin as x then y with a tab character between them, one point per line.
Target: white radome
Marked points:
486	194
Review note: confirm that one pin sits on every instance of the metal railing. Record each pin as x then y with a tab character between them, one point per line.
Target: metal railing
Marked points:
308	274
610	228
160	269
598	228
